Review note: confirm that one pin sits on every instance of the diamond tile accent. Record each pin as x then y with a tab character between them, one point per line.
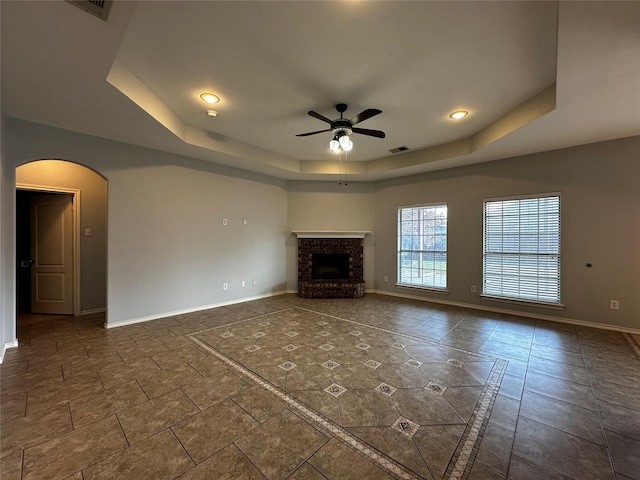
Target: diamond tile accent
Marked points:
324	334
326	347
335	389
330	364
372	364
289	348
405	426
259	334
292	334
287	366
356	333
455	362
387	389
435	388
294	323
252	348
413	363
465	453
363	346
226	334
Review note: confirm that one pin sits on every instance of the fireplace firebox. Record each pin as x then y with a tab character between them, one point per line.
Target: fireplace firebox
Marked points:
330	267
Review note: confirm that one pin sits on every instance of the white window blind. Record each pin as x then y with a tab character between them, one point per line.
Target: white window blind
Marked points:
422	246
522	248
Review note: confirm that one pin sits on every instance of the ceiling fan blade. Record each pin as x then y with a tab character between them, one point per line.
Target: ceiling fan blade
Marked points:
371	133
312	133
319	117
364	115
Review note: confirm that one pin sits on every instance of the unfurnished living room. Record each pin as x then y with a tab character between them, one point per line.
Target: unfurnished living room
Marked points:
347	239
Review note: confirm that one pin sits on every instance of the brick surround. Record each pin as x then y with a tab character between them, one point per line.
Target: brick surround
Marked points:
352	287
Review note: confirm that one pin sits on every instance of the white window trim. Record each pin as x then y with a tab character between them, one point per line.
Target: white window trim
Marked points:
398	250
525	301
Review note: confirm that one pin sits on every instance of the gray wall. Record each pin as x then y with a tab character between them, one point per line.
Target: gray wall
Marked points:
7	248
328	206
169	252
93	214
600	207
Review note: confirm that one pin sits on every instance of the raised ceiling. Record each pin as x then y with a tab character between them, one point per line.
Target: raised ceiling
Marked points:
534	76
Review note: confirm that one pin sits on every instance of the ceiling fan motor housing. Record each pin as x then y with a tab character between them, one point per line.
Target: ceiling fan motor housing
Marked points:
341	127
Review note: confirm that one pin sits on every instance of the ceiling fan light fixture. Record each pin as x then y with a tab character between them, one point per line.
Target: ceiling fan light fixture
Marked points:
345	143
209	97
458	114
334	146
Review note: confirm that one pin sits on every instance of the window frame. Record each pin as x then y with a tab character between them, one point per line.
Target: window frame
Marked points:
522	253
399	277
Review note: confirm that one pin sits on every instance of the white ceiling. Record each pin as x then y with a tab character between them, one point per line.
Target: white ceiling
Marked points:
534	76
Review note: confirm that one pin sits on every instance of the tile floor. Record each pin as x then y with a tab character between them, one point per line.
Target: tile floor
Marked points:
173	398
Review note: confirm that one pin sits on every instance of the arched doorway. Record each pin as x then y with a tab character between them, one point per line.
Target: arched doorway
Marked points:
46	191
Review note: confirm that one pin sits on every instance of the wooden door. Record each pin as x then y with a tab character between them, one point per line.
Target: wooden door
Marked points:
52	254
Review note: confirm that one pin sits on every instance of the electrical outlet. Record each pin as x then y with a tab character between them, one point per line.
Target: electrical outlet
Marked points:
243	283
255	282
225	221
614	304
473	289
386	278
225	286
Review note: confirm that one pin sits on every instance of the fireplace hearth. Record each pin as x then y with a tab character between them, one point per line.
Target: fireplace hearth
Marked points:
330	267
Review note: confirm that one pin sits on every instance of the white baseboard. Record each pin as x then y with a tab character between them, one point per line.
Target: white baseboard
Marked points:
471	306
6	346
506	311
148	318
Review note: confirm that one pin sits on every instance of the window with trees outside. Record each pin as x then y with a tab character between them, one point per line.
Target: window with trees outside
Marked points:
422	246
521	258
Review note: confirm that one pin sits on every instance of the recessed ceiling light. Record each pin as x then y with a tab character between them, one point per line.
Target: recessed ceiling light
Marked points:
458	114
209	97
212	113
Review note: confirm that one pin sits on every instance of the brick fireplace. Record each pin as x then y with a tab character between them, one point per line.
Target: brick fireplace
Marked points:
330	264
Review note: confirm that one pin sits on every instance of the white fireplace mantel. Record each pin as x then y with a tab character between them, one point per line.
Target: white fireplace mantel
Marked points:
331	233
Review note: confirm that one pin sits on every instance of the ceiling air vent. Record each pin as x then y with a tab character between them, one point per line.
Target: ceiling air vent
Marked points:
399	149
99	8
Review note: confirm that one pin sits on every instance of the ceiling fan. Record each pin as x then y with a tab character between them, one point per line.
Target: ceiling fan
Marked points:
341	128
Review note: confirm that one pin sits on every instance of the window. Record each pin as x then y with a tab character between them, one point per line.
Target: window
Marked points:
521	258
422	246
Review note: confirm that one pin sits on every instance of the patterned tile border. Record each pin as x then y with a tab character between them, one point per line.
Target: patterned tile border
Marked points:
462	460
397	470
633	343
